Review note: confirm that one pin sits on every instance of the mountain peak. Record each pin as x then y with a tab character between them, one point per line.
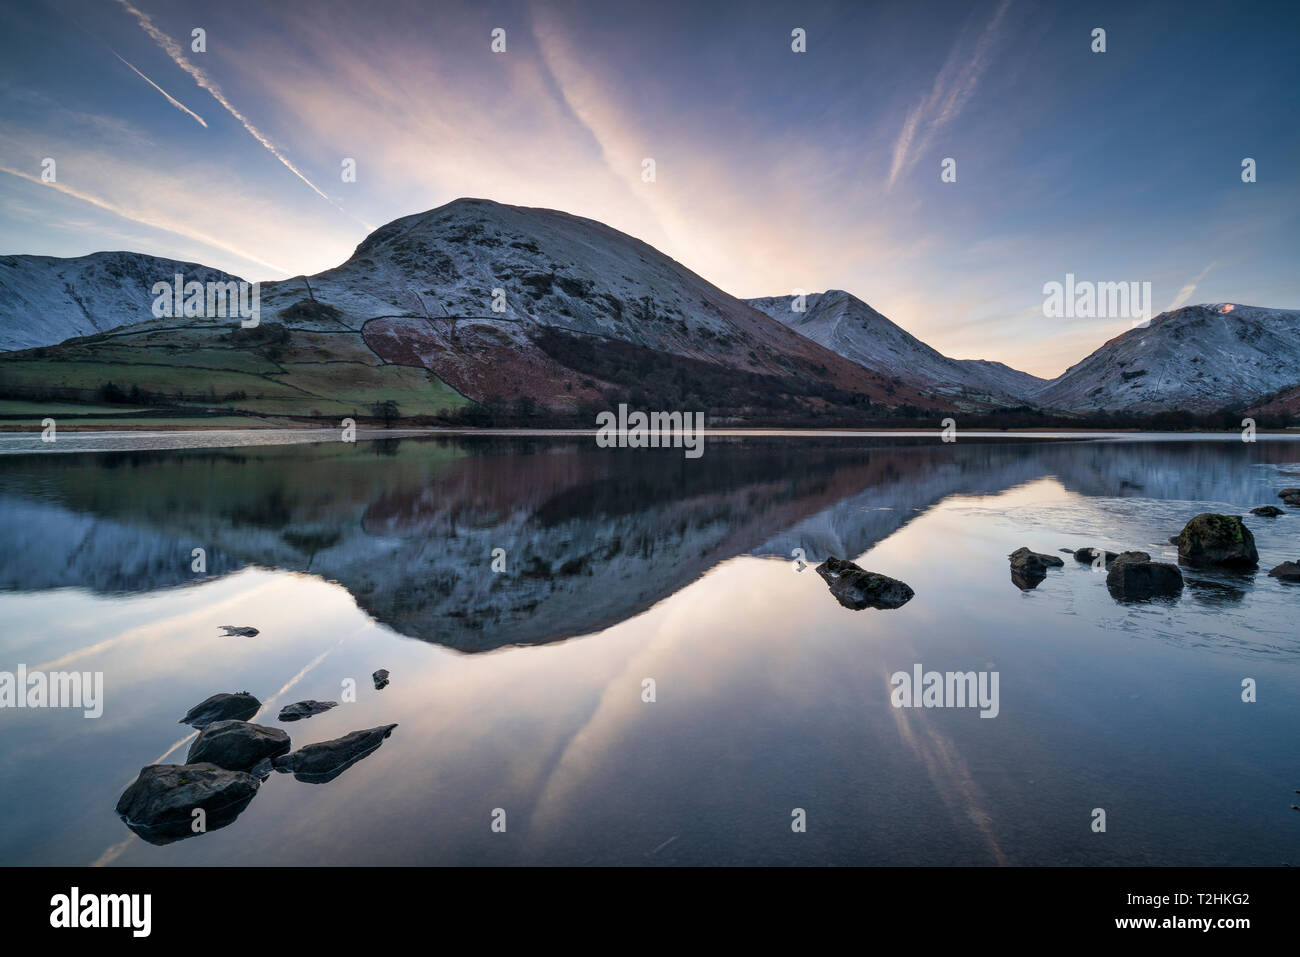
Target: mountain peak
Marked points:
845	324
1202	358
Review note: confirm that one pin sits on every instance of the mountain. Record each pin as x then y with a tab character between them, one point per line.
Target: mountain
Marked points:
479	312
845	324
1199	358
567	292
44	299
475	300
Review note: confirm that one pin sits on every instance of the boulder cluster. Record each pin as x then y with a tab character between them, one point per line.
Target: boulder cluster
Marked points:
228	762
1208	540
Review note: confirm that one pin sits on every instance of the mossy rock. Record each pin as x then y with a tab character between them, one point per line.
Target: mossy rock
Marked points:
1211	539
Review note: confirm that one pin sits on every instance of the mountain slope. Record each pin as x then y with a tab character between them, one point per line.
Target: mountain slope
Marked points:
509	305
850	327
1199	358
45	300
426	285
523	309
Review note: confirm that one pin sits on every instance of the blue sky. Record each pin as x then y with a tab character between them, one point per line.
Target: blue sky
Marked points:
775	170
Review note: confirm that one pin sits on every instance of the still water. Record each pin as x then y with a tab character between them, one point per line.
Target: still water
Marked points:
519	694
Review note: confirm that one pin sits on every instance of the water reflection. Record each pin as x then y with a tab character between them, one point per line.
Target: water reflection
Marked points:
771	694
481	543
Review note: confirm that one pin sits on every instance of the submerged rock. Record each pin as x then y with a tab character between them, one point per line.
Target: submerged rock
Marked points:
1267	511
222	707
1027	560
239	631
857	588
1287	572
305	709
236	745
381	679
1292	500
1134	579
159	805
1216	593
1131	557
1029	568
1089	555
1211	539
319	763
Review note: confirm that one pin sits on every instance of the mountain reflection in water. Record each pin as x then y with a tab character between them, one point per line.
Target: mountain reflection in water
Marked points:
409	527
770	695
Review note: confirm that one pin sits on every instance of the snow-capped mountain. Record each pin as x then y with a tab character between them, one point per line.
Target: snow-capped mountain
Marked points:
538	306
45	300
847	325
1198	358
499	303
464	290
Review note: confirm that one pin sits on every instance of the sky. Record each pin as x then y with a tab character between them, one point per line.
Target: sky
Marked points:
775	170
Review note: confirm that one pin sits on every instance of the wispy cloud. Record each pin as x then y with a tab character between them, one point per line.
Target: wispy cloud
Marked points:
1187	291
953	88
136	217
170	99
173	50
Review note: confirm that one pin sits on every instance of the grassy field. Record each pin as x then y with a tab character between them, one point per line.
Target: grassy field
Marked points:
130	376
75	423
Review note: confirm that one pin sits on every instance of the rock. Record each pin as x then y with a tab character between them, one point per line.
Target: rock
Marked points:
319	763
1025	559
1090	554
1287	572
159	804
1267	511
1287	492
222	707
1029	568
1211	539
381	679
236	745
857	588
262	769
1292	500
1131	557
239	631
305	709
1136	579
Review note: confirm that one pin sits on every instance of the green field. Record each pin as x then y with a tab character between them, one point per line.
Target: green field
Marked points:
134	375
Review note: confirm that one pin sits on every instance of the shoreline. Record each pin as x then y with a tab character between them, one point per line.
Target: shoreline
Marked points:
81	440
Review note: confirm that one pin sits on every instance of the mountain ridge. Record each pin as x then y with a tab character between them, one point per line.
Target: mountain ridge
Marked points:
543	309
843	322
498	304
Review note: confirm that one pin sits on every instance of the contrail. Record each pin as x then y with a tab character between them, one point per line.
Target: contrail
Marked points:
170	99
173	50
137	218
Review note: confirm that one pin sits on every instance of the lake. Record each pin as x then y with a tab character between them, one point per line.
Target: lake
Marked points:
529	594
